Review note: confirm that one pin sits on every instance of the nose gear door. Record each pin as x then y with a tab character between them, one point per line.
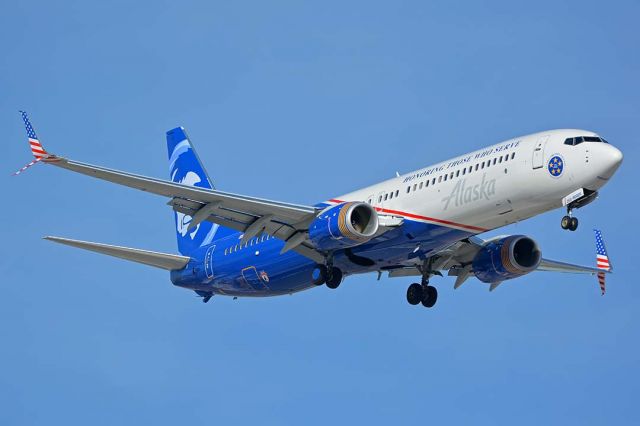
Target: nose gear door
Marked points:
538	152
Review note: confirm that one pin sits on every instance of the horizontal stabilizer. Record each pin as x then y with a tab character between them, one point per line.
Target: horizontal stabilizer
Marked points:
146	257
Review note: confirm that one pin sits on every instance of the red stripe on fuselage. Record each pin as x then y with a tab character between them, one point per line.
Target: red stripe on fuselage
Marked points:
430	219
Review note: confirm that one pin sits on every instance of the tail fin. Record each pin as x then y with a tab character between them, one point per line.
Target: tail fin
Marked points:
186	168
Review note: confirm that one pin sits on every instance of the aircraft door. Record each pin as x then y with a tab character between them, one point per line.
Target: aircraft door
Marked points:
251	277
208	262
538	152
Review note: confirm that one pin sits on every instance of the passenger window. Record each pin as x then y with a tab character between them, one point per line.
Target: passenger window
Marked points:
235	248
420	187
477	165
380	198
464	171
482	165
439	178
513	155
386	196
391	195
500	159
451	175
427	183
408	189
415	186
445	177
494	161
457	173
397	192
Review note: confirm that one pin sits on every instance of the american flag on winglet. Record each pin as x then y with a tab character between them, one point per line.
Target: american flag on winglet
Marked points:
602	260
36	148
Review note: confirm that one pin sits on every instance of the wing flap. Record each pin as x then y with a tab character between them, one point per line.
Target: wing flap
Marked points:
146	257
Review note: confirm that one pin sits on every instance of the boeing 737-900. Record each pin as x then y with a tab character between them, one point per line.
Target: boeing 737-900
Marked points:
419	224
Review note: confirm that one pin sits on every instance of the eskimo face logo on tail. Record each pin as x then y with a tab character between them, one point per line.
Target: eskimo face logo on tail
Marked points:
183	220
463	194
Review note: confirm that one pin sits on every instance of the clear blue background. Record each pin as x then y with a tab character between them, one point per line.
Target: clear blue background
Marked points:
302	102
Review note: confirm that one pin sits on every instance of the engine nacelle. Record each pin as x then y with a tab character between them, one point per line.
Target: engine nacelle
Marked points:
507	258
345	225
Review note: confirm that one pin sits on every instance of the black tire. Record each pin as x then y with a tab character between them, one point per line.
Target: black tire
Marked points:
334	278
574	224
565	223
430	297
414	294
321	275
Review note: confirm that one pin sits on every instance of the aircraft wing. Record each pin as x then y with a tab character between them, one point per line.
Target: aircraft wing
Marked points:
243	213
457	260
249	215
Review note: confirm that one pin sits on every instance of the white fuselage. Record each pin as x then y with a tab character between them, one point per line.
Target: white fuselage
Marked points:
496	185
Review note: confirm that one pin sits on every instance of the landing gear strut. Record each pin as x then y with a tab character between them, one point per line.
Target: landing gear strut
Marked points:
569	222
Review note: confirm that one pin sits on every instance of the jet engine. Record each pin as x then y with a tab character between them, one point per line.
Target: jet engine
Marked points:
506	258
344	225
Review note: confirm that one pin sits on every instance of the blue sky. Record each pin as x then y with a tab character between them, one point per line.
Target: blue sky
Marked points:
303	101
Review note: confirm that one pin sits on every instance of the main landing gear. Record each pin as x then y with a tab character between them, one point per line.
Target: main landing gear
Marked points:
331	276
569	222
422	293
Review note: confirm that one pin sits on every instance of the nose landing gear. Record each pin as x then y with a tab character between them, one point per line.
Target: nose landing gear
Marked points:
569	222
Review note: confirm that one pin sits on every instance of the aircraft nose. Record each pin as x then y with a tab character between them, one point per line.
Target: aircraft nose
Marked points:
611	160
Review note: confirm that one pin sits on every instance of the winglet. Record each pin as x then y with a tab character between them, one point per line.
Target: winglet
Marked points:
37	149
602	260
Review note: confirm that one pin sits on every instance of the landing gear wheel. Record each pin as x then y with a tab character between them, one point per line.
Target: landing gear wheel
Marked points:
565	223
574	224
319	275
430	296
414	294
334	278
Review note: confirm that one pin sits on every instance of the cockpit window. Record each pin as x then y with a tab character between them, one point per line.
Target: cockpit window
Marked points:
579	139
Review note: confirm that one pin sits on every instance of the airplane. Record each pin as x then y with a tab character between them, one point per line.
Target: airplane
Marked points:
418	224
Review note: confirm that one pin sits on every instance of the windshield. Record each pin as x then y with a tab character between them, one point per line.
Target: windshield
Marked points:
579	139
